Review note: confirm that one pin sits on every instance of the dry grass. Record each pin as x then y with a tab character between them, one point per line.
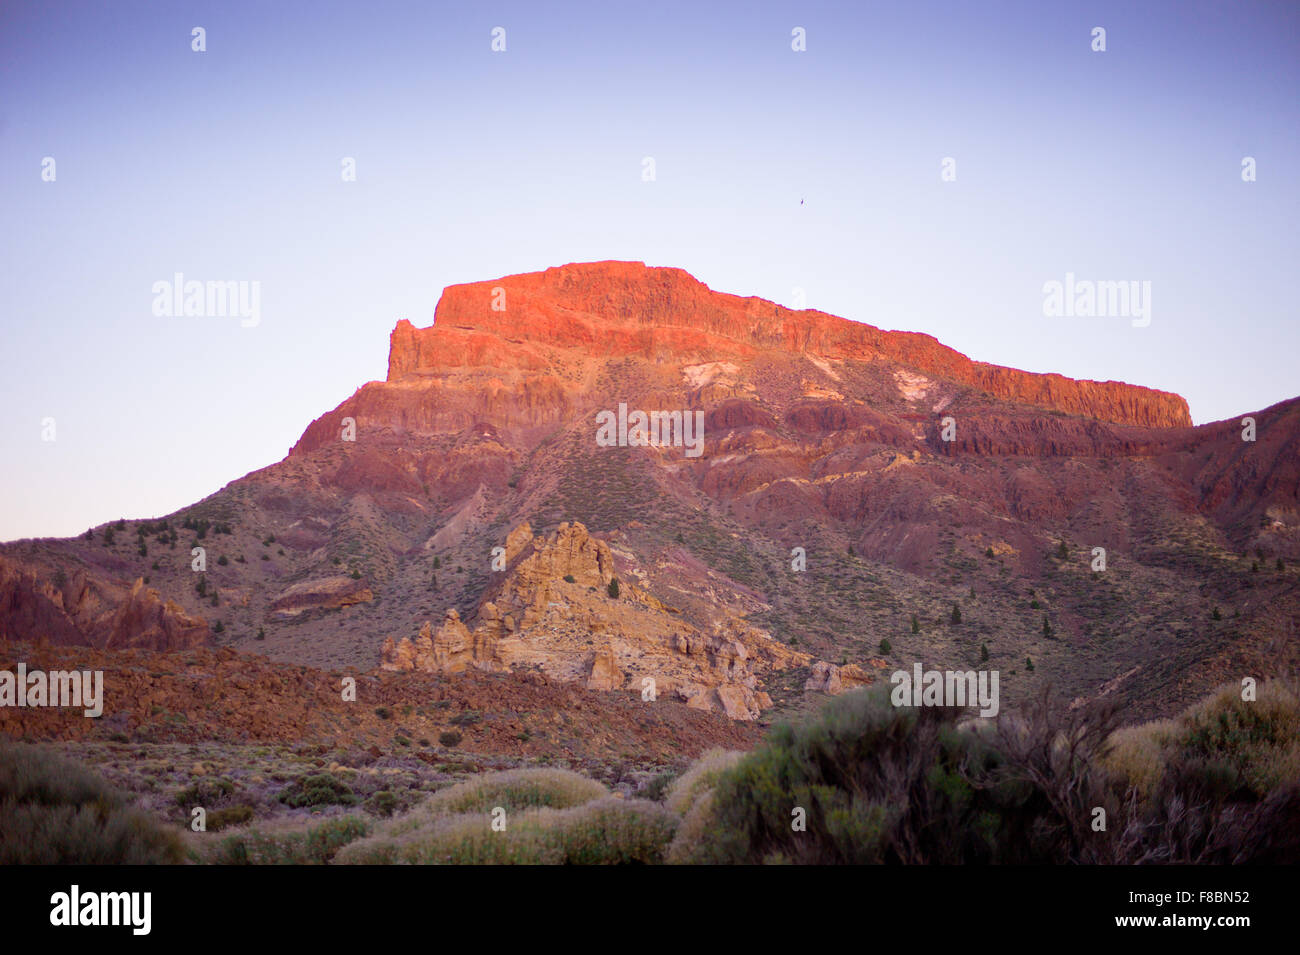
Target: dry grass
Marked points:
699	778
53	811
605	831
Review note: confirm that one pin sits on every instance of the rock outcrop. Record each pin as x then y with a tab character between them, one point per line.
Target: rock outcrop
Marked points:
326	593
87	610
553	612
625	308
834	679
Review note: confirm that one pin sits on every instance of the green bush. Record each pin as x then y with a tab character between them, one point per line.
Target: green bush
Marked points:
450	738
383	803
207	792
319	789
606	831
315	844
880	784
513	790
219	819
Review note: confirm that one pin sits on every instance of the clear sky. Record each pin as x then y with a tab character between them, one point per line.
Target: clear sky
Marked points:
472	164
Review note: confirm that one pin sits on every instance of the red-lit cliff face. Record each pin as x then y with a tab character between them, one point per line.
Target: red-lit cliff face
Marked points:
615	309
824	442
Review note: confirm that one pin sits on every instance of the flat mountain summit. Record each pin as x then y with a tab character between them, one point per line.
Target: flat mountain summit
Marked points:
862	500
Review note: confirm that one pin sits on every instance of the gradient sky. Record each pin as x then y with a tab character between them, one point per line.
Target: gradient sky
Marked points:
473	164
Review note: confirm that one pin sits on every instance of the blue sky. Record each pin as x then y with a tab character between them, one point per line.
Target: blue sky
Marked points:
225	165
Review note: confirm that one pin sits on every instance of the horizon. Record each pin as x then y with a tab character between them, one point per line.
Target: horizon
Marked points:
778	173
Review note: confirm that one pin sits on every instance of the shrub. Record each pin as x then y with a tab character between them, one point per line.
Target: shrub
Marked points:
613	587
701	776
514	790
956	614
207	792
450	738
219	819
1218	785
886	647
916	624
383	803
569	579
284	844
319	789
606	831
886	784
53	811
656	790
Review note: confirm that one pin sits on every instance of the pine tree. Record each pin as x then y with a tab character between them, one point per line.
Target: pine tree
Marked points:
1029	664
1047	627
956	614
984	653
916	625
1062	551
613	587
886	647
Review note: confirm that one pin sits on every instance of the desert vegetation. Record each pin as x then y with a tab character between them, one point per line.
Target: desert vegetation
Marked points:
861	782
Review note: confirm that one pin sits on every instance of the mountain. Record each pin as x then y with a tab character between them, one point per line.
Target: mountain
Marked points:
857	500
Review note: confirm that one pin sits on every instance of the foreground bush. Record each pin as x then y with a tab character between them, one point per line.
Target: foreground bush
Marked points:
1220	784
513	790
606	831
288	845
53	811
879	784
